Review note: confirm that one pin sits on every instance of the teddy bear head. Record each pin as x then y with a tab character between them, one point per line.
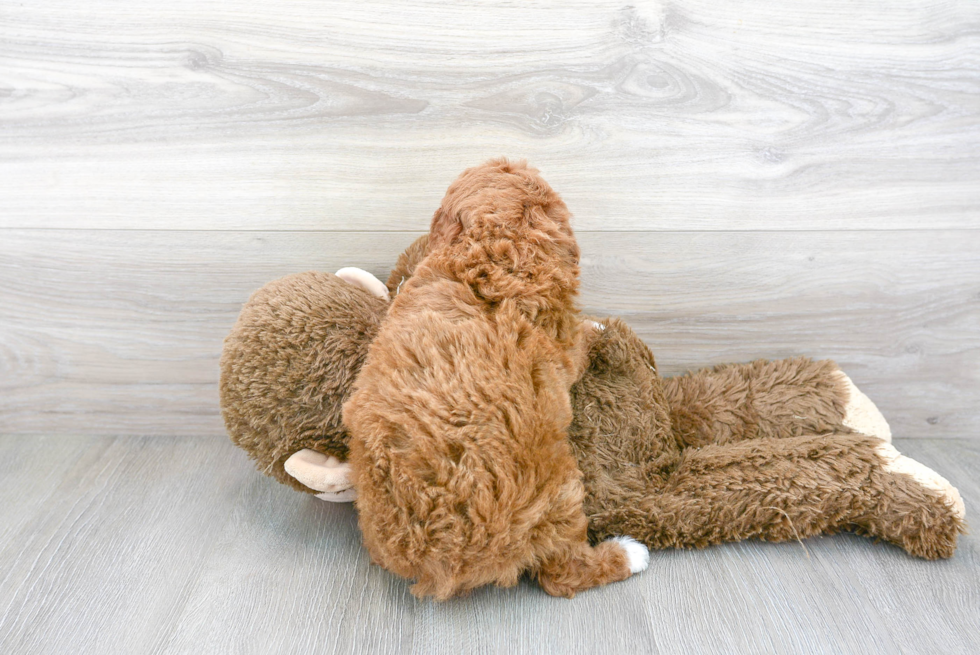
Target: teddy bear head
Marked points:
289	364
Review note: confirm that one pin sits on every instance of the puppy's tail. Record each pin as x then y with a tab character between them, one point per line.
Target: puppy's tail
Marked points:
578	566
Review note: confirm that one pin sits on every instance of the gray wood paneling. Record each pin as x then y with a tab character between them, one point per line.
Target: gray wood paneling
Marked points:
687	115
749	180
177	545
119	332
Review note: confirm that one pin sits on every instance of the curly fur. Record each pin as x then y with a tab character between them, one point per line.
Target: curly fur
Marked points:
458	420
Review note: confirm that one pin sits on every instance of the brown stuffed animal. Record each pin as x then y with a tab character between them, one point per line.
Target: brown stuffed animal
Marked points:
774	450
287	367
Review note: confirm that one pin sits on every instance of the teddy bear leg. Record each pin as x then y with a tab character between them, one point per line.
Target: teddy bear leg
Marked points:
768	399
916	508
793	488
860	414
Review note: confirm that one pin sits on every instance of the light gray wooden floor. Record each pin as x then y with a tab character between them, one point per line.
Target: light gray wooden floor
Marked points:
748	179
177	545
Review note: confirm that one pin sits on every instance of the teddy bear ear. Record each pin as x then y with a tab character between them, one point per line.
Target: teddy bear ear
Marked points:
323	473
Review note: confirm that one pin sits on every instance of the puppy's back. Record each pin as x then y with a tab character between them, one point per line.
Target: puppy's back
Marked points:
457	466
458	446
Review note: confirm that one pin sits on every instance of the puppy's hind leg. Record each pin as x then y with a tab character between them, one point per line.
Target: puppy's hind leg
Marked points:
578	566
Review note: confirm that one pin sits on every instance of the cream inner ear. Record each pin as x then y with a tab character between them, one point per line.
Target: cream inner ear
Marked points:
317	471
361	278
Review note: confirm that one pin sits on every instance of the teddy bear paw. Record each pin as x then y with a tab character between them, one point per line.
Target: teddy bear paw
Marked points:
861	415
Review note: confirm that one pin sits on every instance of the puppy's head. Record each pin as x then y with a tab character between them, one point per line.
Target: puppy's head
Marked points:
502	198
503	231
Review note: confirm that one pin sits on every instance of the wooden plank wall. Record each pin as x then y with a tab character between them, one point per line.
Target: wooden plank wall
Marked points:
749	180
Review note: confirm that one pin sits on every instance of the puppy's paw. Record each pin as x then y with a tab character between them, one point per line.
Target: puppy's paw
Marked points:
861	415
895	462
363	279
637	554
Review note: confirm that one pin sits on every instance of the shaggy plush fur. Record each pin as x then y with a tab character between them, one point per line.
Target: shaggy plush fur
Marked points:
760	451
463	471
763	399
738	451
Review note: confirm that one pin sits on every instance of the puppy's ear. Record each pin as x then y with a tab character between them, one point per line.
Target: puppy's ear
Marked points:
555	223
446	228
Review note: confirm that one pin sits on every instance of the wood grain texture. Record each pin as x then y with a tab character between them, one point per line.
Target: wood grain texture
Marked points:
119	332
749	180
177	545
357	114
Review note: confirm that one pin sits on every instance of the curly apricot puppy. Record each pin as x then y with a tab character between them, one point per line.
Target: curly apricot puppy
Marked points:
458	447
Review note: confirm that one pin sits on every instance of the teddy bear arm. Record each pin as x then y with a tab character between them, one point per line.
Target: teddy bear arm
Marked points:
768	399
790	489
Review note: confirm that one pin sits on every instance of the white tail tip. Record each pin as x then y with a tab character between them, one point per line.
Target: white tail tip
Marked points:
637	554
